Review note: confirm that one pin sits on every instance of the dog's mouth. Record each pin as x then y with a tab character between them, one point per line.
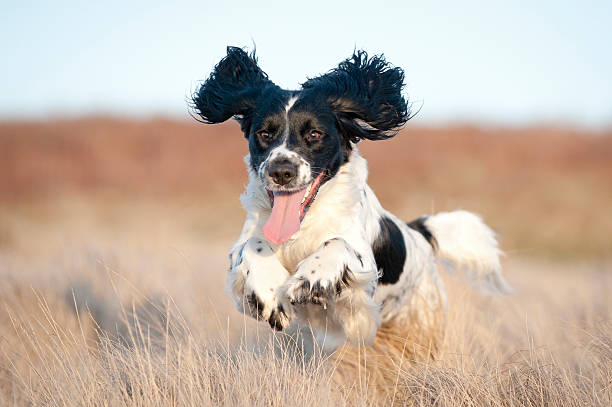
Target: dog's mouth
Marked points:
288	210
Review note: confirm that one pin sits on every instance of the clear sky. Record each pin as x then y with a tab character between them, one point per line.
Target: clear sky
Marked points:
470	61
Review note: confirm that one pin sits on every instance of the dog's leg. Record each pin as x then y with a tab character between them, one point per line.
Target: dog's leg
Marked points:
255	279
332	291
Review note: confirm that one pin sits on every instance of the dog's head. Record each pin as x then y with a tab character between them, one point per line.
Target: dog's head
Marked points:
299	139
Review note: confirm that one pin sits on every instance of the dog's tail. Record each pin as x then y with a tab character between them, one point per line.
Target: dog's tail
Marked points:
463	241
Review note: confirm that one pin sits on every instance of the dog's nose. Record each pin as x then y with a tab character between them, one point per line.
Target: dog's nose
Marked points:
282	173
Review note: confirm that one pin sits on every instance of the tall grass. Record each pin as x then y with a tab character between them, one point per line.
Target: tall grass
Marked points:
114	328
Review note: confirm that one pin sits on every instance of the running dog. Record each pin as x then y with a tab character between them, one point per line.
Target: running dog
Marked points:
317	248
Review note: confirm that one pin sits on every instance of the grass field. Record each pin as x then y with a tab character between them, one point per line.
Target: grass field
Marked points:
113	242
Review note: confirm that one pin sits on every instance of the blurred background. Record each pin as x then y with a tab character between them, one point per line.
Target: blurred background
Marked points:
514	122
112	195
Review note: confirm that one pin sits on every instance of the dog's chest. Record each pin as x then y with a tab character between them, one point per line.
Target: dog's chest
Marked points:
291	253
324	223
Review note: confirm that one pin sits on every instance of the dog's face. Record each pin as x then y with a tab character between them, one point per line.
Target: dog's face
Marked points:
292	143
298	140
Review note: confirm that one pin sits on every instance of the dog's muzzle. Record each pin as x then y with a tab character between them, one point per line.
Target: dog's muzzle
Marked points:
282	172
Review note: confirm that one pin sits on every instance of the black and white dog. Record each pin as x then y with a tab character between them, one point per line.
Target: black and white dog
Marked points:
317	248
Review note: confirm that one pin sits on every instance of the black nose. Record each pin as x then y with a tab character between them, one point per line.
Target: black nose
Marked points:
282	173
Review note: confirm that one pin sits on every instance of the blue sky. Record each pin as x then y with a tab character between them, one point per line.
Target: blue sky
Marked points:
487	62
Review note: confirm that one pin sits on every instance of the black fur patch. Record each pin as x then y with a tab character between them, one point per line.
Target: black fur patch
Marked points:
345	280
256	304
389	251
419	226
359	258
275	318
366	96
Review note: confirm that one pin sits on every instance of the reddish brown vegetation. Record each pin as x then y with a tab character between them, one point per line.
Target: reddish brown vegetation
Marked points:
545	189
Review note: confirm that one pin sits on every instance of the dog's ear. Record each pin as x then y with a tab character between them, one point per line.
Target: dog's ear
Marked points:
365	95
232	88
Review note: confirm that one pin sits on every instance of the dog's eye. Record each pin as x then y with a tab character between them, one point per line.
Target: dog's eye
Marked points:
264	135
314	135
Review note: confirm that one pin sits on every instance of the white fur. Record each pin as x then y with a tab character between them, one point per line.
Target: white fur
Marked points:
290	104
470	246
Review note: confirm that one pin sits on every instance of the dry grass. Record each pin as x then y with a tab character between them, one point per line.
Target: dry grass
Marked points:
167	334
113	237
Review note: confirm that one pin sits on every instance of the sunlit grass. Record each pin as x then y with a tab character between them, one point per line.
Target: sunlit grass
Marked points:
98	321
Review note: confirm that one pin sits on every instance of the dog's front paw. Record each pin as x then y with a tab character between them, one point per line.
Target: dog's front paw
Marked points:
255	281
317	284
323	277
267	310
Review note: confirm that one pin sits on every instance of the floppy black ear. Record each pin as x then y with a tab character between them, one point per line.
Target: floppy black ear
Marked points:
366	96
232	88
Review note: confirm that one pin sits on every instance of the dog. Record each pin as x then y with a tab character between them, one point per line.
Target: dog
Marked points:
317	249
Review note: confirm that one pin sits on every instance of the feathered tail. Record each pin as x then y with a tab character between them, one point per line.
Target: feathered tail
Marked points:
462	239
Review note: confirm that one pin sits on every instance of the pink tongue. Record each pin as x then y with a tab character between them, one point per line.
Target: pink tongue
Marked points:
284	220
